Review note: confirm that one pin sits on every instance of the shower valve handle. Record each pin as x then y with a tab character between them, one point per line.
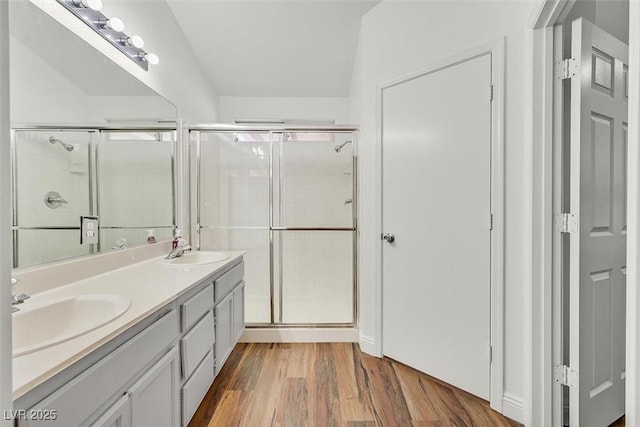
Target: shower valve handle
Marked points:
53	200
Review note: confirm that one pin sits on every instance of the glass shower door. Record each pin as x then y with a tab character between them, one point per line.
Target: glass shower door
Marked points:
233	207
314	227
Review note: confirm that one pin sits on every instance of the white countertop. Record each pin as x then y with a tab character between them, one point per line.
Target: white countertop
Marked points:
149	285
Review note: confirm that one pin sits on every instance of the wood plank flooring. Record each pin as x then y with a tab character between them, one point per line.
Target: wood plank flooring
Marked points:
333	384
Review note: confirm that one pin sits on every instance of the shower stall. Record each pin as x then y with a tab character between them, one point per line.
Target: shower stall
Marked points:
286	195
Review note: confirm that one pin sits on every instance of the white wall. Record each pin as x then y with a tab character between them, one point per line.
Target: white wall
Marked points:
326	109
399	37
5	221
178	77
39	93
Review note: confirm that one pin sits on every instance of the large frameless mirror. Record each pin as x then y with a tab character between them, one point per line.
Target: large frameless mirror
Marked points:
89	139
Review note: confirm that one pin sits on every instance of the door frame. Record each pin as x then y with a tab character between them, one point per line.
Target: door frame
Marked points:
544	324
6	398
496	49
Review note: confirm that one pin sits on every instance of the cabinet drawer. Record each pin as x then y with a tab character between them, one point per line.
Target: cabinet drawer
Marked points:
225	283
81	397
196	388
195	307
196	344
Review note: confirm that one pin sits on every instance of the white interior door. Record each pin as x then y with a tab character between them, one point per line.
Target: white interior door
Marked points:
436	144
598	249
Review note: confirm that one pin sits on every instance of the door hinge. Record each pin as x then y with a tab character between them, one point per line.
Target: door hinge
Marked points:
490	354
566	68
564	375
490	92
490	221
565	223
215	320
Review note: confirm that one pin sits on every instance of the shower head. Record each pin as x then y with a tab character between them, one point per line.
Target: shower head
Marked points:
66	146
338	148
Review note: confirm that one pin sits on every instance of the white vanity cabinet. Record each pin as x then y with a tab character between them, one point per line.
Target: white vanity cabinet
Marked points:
80	401
154	397
154	374
229	313
118	415
212	322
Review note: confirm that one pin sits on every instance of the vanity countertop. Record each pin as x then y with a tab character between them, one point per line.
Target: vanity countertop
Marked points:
149	285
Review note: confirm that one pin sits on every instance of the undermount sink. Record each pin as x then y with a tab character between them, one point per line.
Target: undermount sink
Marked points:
39	325
199	257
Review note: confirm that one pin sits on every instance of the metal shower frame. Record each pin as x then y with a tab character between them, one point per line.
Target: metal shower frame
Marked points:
272	130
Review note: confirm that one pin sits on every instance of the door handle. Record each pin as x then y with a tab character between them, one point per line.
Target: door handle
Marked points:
389	238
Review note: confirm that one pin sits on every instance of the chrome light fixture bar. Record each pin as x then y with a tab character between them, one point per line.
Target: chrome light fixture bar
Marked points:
112	30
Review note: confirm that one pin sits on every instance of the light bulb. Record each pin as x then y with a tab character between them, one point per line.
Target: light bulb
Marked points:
135	41
115	24
89	4
152	58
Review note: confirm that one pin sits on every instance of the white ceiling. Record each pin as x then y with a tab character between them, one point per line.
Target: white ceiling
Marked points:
295	48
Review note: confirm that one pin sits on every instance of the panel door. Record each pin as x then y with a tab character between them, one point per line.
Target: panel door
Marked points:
436	202
598	249
154	398
118	415
238	312
224	329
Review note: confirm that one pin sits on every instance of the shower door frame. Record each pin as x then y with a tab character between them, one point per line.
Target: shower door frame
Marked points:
97	133
272	130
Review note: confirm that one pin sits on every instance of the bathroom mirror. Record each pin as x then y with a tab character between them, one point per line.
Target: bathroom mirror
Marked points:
88	139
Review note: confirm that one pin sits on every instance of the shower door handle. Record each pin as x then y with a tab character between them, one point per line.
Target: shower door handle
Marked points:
389	238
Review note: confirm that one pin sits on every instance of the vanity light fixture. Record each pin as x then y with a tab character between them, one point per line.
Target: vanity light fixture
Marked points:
112	30
114	24
89	4
151	58
133	41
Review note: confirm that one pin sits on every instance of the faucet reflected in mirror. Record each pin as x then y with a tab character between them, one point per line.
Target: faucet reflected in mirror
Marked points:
17	299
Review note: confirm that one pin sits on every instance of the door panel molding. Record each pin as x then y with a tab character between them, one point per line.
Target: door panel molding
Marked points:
496	49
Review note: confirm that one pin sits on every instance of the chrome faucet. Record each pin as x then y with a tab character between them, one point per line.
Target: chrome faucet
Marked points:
178	252
17	298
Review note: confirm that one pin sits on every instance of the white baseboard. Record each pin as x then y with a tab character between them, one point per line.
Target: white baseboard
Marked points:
282	335
368	345
513	407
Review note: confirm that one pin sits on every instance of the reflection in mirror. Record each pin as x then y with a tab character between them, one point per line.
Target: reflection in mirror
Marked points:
131	202
88	139
123	177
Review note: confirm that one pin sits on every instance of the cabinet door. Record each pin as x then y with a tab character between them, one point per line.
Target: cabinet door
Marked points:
118	415
224	328
154	398
238	312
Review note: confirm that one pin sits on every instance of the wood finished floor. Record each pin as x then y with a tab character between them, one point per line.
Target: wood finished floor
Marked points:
333	384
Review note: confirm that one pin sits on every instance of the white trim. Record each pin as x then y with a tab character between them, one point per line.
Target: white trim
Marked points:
5	221
496	49
368	345
633	223
282	335
543	334
513	407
